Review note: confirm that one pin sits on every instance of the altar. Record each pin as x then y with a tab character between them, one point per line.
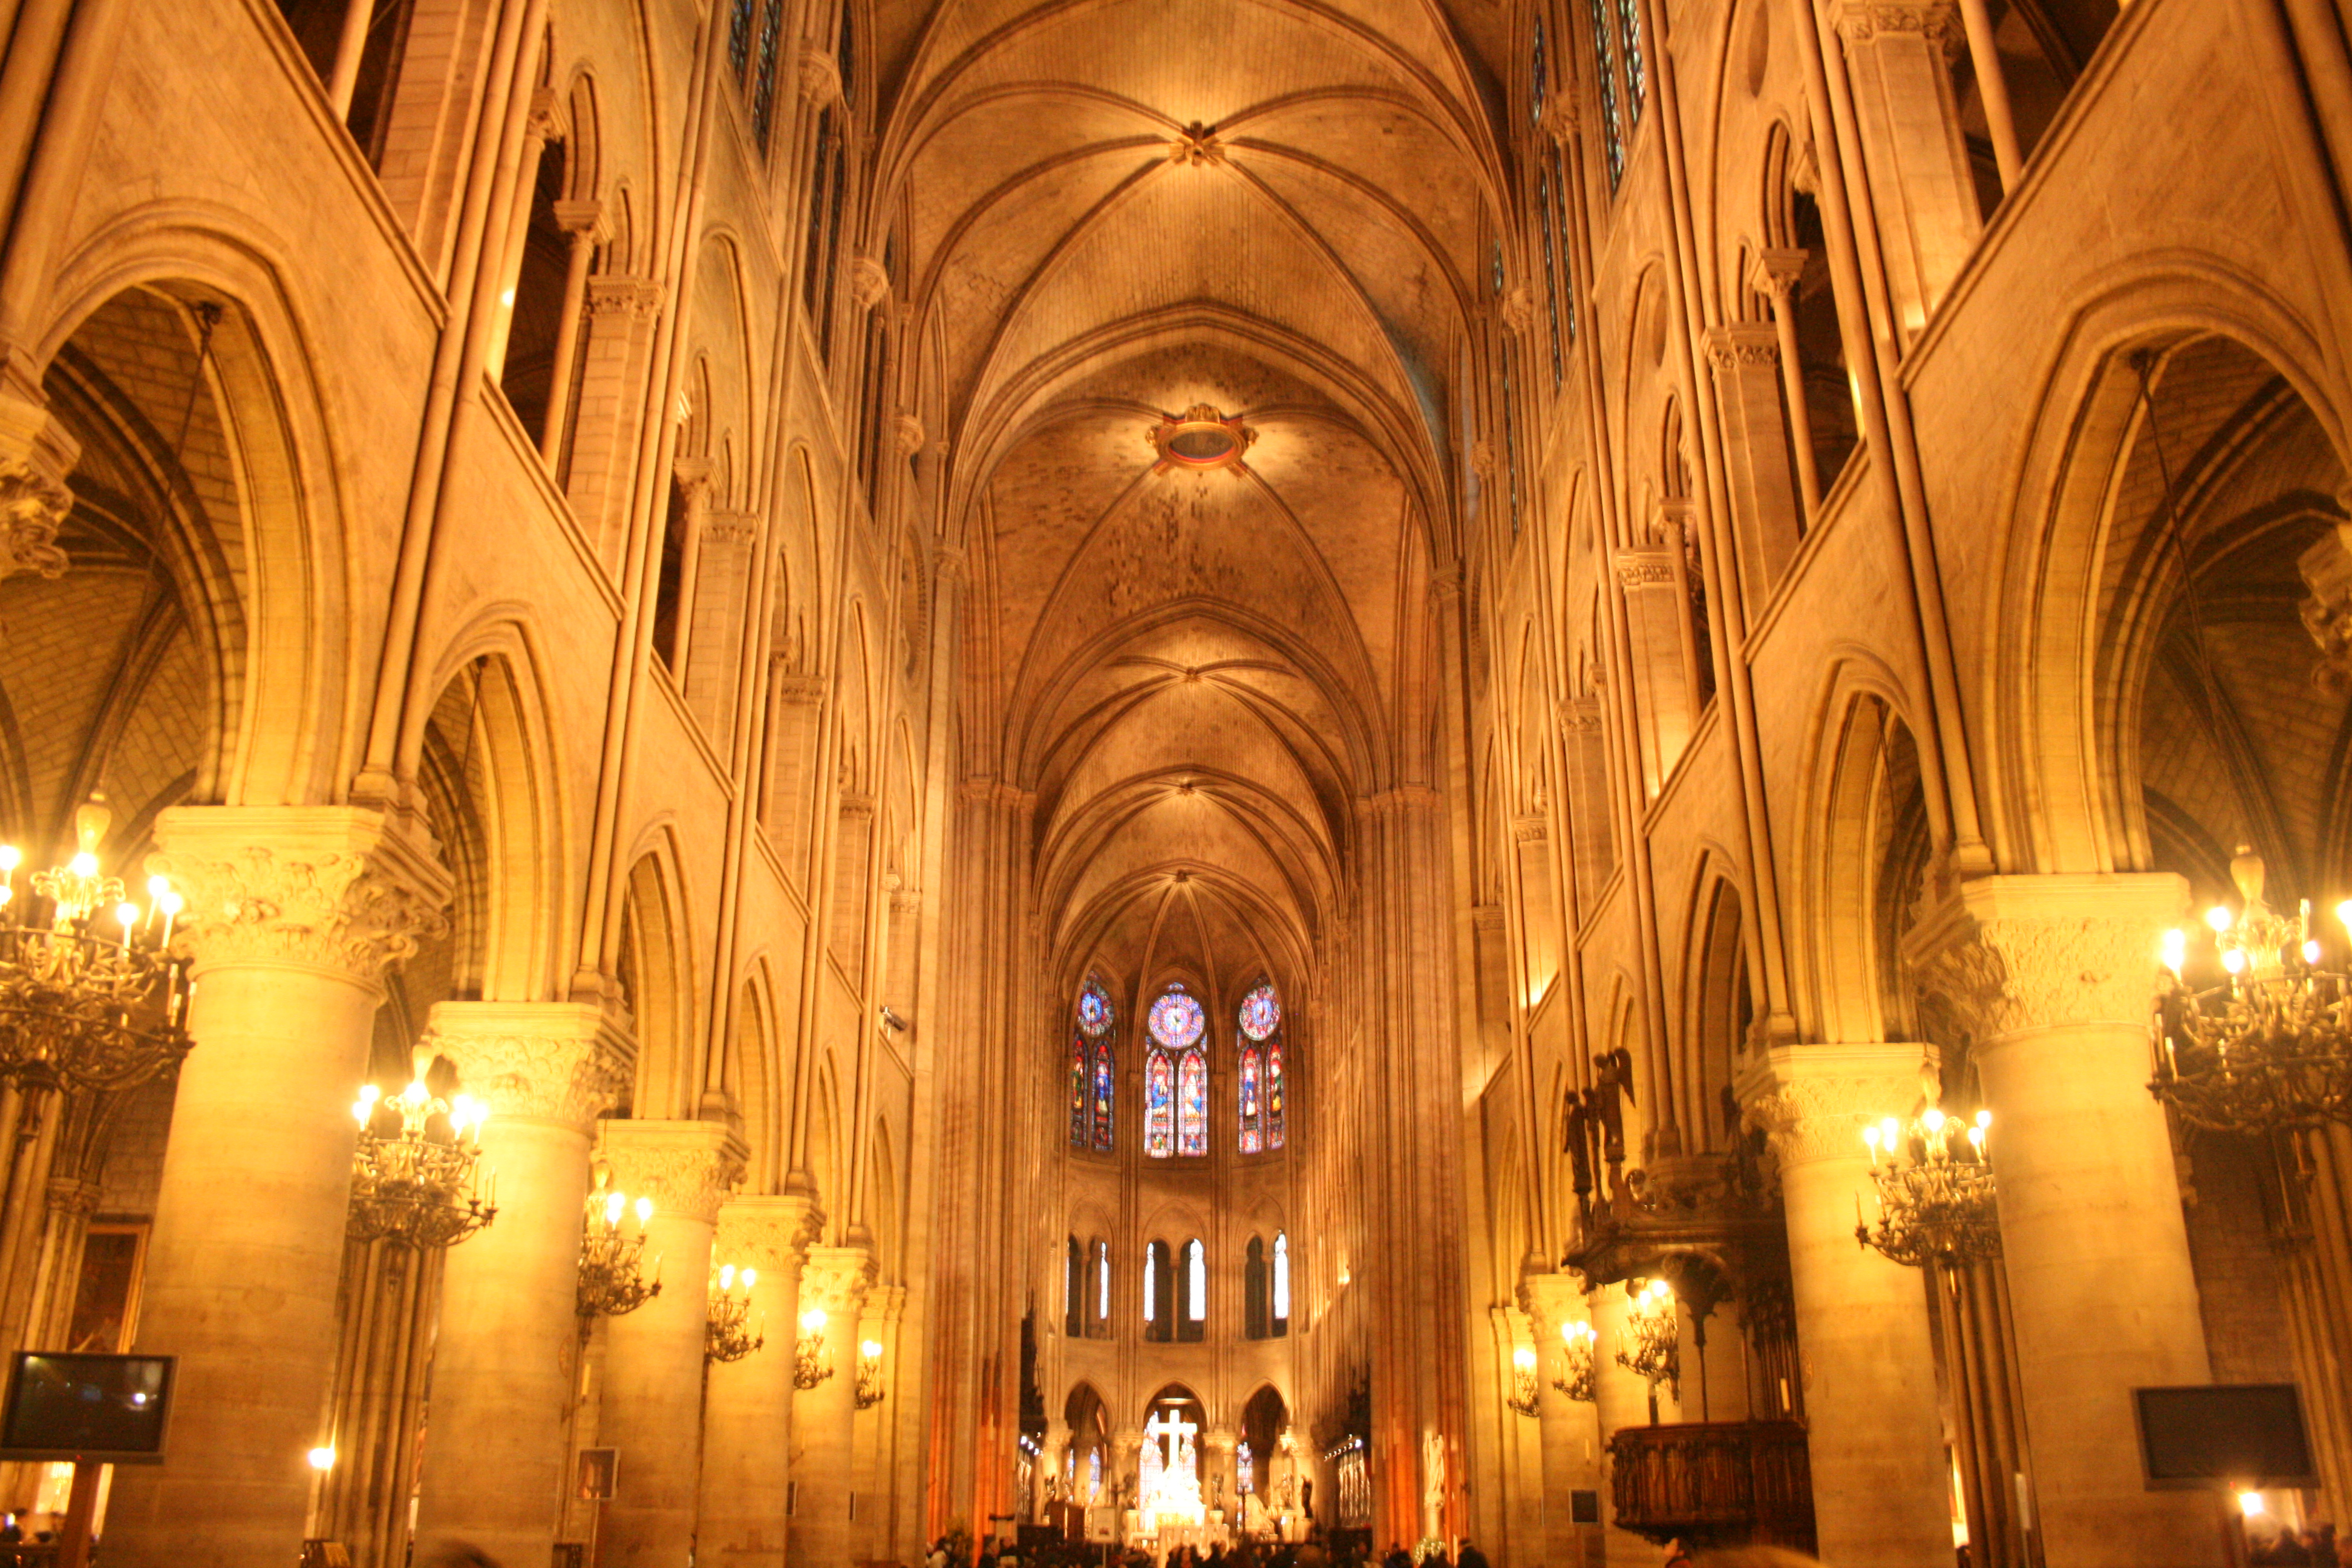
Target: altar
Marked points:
1170	1511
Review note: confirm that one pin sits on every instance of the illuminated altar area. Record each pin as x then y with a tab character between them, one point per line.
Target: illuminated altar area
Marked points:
1169	1507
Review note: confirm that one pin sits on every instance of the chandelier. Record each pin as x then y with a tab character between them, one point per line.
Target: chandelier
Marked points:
1575	1380
1655	1353
412	1174
869	1373
2269	1049
1933	1177
90	997
612	1274
1523	1380
724	1336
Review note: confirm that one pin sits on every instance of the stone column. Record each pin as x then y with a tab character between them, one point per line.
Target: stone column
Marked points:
506	1363
1745	359
1220	1480
1624	1401
1899	56
1571	1427
2054	977
747	1419
614	364
833	1280
652	1405
1875	1436
1659	620
293	914
583	223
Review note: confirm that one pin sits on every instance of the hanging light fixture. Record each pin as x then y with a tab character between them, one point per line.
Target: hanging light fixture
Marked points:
611	1275
90	997
1935	1185
724	1336
809	1365
2270	1048
869	1374
1523	1380
413	1177
1576	1362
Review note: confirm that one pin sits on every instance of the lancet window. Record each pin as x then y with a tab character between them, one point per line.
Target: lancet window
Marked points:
1092	1068
1176	1078
1258	1074
1623	73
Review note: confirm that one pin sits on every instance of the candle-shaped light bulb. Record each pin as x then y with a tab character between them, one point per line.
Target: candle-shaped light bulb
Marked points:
2233	961
158	886
2344	914
1522	1358
751	1277
2176	950
615	1205
83	864
1890	1132
645	1213
1934	1119
10	858
1870	1136
726	1278
128	914
2219	918
2311	950
813	1321
1984	1118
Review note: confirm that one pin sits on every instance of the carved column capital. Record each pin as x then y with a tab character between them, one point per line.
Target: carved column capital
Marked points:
1743	344
543	1061
1551	1300
909	433
688	1168
632	299
836	1280
820	76
546	119
340	887
771	1234
869	281
584	220
1938	22
1777	272
36	455
1517	309
1558	121
1813	1102
2014	955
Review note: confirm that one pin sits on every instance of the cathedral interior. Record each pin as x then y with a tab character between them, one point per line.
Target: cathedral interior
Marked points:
1574	775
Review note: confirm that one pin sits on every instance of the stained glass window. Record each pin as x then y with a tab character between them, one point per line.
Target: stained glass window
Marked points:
1252	1132
1535	83
1159	1105
1551	272
1192	1103
1637	76
1261	1024
1176	1091
1605	53
763	83
738	38
1106	1090
1092	1068
1274	1094
1094	1474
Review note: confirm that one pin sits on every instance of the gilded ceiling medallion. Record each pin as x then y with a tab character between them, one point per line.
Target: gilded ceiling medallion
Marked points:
1201	438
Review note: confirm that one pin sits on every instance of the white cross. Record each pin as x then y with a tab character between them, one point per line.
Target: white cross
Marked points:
1169	1432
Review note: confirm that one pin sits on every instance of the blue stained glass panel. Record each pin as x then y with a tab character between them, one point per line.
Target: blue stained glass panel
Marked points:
1159	1106
1192	1103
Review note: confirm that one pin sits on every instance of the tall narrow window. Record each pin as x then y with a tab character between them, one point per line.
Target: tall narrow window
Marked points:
1092	1067
1535	83
1551	273
1074	1292
1623	73
1245	1468
1275	1114
1558	218
1260	1022
1102	1286
1281	1283
739	37
1176	1078
1508	397
1193	1324
1257	1321
763	77
1159	1293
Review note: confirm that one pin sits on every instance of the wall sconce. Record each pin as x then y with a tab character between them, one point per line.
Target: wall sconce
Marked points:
724	1337
869	1373
1576	1362
809	1365
1655	1353
1523	1380
611	1279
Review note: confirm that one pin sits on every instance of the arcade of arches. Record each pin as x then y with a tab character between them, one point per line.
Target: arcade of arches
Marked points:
1225	725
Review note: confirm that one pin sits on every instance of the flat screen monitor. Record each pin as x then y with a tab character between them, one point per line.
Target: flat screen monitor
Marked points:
2246	1434
109	1409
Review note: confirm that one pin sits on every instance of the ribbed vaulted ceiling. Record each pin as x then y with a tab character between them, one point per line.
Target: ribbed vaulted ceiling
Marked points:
1122	208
